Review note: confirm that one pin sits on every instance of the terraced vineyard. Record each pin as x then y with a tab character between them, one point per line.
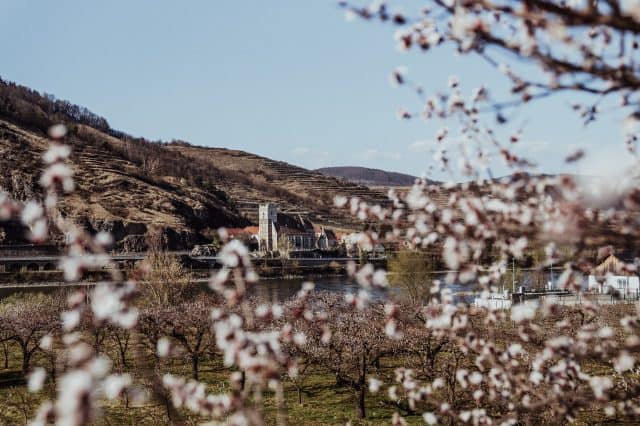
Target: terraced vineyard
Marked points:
295	189
112	193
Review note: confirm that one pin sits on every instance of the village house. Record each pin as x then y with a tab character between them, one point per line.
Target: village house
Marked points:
610	276
248	235
353	246
326	239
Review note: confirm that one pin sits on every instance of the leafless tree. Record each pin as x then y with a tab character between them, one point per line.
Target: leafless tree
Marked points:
25	321
121	338
357	343
187	325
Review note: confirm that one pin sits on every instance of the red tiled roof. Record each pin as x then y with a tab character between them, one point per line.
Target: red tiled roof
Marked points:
235	231
253	230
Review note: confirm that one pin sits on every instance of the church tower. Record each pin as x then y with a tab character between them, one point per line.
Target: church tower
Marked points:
267	233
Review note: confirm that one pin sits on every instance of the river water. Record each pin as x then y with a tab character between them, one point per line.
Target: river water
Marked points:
271	289
280	289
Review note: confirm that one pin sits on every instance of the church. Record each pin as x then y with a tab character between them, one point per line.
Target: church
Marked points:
279	232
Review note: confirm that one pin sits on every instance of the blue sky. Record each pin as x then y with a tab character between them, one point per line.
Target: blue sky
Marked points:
291	80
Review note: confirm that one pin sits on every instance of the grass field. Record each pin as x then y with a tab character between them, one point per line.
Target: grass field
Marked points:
323	402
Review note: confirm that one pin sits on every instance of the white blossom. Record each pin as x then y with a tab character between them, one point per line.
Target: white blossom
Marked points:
624	362
374	385
115	384
36	379
430	418
523	312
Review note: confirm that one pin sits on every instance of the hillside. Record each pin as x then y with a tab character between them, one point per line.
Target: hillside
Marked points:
255	179
130	185
112	191
369	177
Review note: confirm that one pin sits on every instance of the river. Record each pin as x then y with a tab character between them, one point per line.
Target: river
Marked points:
274	289
267	289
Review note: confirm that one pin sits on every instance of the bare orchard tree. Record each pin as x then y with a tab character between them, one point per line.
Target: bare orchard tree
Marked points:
301	375
355	347
152	325
26	321
182	330
122	340
190	327
426	345
94	333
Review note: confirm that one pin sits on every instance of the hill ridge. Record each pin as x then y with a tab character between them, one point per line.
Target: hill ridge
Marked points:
131	186
368	176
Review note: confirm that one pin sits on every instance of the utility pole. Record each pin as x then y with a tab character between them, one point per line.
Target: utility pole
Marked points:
513	275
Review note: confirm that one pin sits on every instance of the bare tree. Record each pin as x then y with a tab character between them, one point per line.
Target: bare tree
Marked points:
357	343
187	324
121	338
26	320
298	379
411	271
164	278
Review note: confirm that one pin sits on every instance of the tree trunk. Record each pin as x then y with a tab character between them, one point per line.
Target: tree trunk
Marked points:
26	361
360	409
123	346
361	388
432	366
194	366
299	395
167	405
123	357
6	355
54	370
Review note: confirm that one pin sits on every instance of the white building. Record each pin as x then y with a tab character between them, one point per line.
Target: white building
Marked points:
610	276
355	244
493	301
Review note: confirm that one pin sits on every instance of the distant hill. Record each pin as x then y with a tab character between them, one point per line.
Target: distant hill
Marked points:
252	179
132	186
369	177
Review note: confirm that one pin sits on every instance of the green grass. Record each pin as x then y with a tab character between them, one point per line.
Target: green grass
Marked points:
323	403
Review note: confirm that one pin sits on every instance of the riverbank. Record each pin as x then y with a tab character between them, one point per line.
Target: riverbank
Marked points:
267	289
202	266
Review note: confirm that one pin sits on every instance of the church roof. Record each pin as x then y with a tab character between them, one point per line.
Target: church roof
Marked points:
293	224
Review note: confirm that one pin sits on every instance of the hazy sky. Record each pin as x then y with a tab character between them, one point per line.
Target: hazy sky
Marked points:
291	80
